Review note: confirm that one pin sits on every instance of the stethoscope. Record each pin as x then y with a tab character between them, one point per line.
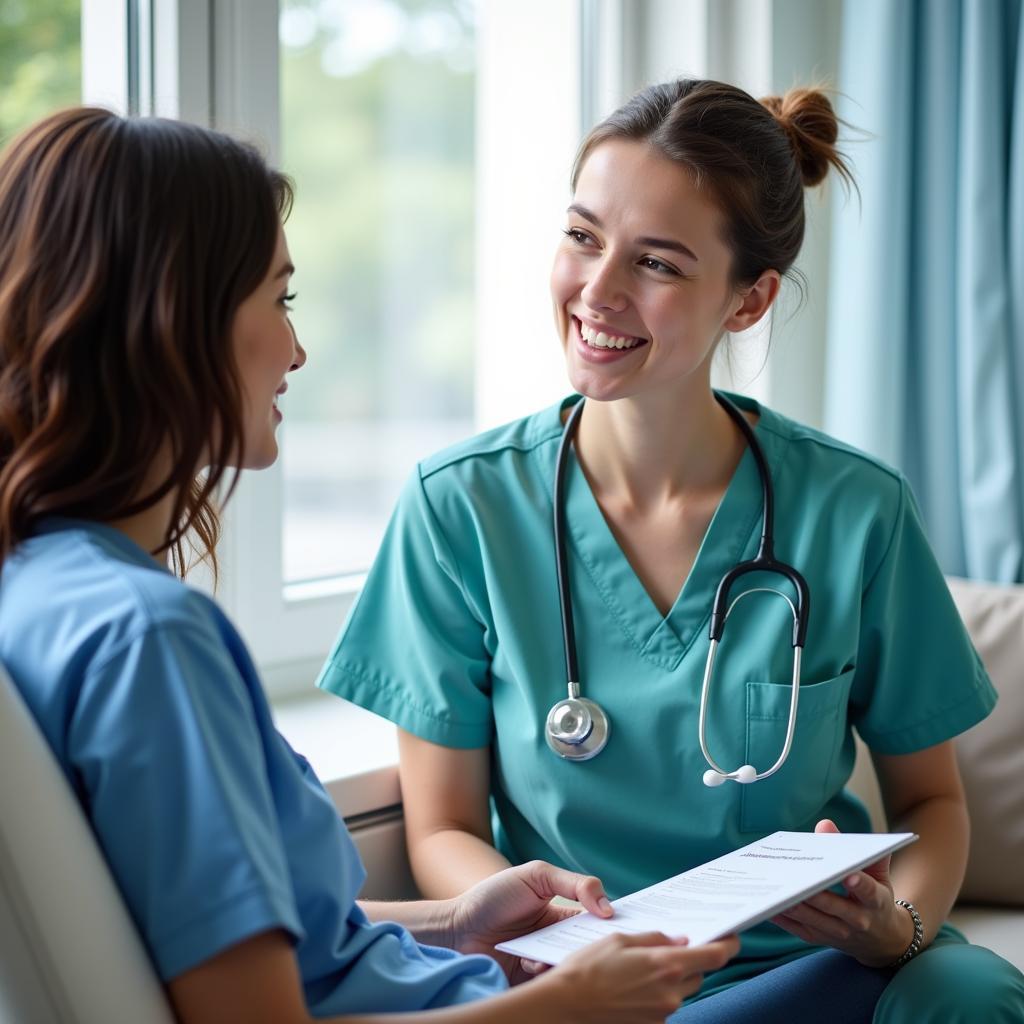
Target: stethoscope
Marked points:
577	728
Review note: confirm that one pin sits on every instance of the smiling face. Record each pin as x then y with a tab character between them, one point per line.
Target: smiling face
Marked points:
266	349
641	283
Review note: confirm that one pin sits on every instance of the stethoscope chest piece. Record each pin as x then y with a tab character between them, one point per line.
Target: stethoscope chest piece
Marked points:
577	729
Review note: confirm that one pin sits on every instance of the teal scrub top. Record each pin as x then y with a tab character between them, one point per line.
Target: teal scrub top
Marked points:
456	637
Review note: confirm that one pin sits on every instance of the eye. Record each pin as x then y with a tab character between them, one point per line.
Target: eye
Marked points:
577	236
287	300
658	266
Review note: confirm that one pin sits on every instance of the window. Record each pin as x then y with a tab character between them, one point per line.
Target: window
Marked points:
377	127
40	60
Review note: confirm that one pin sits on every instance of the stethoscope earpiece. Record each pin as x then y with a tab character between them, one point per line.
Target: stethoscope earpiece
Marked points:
746	773
576	728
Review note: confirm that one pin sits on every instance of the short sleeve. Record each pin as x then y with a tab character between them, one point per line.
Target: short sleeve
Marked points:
413	650
918	679
167	752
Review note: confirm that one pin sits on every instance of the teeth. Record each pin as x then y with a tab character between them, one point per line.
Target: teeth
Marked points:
599	339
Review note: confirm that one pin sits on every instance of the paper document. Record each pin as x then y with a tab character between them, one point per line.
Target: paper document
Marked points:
723	896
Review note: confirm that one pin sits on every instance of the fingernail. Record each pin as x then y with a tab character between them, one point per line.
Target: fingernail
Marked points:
852	882
604	904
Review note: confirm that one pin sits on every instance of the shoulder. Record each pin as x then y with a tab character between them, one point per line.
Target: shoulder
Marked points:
516	441
81	595
823	465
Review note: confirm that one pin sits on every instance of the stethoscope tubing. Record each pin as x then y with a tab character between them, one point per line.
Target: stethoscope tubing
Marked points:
764	561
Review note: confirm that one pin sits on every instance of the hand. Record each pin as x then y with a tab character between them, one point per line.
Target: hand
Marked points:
865	923
516	901
635	979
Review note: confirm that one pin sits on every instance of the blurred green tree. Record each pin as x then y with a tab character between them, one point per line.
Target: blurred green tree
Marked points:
378	107
40	60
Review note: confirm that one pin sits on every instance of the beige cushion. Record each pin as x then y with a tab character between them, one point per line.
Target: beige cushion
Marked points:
991	755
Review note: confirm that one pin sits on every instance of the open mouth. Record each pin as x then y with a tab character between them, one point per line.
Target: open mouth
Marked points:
606	339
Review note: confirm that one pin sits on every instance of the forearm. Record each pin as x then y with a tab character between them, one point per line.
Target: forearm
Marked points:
543	1001
448	861
929	873
429	921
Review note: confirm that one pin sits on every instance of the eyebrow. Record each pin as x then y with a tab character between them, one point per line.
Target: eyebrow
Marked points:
285	271
646	240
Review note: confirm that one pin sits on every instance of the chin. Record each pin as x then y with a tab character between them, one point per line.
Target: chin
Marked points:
262	456
595	386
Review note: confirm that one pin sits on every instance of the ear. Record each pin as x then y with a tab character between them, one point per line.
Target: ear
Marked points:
755	302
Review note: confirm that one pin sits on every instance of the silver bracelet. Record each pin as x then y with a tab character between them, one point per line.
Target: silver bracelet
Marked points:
917	941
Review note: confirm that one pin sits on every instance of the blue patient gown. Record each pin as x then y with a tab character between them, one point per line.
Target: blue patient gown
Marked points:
214	829
456	638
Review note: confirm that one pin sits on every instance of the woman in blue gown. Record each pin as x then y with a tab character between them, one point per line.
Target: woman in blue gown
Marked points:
145	342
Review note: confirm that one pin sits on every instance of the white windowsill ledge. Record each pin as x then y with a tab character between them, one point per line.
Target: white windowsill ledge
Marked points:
353	752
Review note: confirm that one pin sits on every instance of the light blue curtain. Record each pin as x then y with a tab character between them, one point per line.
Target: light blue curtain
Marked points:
925	364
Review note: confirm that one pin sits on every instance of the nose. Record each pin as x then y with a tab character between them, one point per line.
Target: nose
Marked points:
606	287
298	354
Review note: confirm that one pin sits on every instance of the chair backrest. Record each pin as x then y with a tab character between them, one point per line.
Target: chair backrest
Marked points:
69	952
991	755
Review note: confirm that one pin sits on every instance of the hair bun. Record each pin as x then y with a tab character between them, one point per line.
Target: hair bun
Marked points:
810	123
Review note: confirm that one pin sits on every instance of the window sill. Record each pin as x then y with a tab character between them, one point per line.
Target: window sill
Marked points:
353	751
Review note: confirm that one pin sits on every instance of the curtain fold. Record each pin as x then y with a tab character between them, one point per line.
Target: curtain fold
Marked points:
925	359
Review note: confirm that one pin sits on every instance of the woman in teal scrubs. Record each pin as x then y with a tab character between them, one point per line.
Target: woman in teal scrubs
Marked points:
686	212
146	341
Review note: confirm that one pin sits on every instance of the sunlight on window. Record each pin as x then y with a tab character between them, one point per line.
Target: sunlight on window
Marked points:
378	102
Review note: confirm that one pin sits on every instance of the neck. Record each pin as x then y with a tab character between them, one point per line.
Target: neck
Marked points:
149	528
663	447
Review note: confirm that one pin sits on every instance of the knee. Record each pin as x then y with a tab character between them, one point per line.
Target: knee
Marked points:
954	984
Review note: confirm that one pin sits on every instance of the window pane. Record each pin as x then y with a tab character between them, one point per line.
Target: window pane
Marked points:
40	60
378	130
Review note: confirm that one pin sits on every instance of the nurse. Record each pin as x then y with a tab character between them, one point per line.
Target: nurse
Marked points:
687	211
145	342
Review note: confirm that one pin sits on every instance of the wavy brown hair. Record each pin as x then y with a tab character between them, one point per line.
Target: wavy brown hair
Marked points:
126	248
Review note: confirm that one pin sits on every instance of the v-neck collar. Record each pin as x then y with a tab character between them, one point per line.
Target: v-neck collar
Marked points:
731	537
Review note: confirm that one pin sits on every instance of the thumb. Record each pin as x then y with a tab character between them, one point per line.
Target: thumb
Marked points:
826	825
549	880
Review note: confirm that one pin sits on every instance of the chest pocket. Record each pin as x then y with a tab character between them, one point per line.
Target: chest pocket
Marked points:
794	795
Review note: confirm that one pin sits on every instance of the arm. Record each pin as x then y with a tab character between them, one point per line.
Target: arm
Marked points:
446	793
923	794
637	979
429	921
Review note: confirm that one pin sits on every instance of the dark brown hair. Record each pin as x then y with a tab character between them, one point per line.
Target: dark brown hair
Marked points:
753	158
126	248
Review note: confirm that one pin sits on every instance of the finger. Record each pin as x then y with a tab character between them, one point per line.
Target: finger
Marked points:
711	956
868	891
825	826
547	880
794	927
880	869
555	914
533	966
590	892
628	940
833	928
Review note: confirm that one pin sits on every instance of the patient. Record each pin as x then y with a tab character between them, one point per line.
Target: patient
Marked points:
144	344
